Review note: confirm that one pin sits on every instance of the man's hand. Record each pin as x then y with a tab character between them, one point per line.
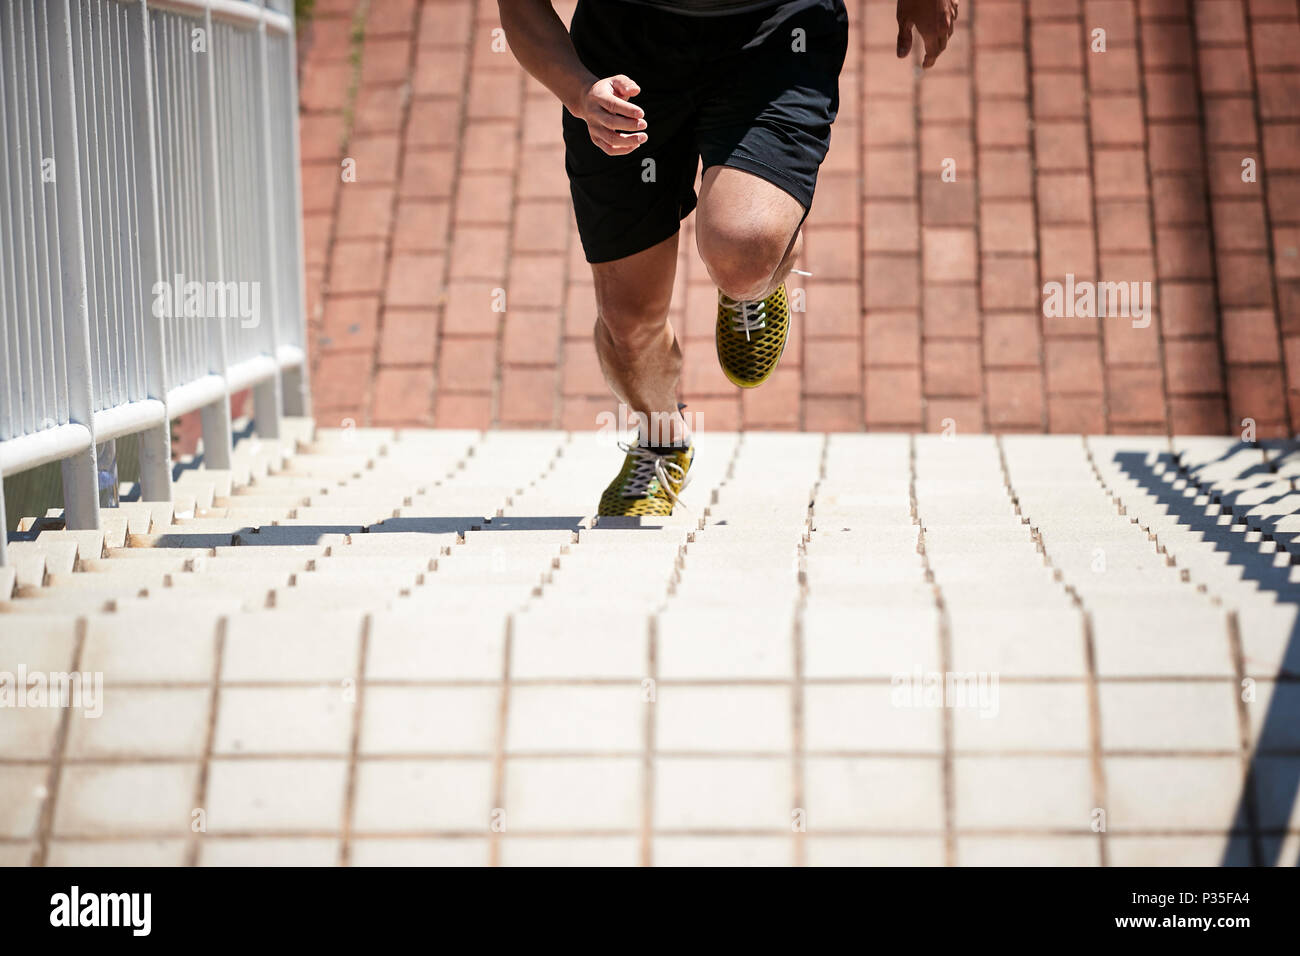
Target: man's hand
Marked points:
614	124
933	19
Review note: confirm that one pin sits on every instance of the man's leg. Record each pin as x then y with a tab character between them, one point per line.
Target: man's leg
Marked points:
635	342
747	232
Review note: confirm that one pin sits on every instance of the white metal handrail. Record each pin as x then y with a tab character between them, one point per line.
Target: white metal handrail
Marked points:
151	251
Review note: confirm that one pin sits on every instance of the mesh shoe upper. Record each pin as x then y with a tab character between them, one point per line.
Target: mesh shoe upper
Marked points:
751	336
648	483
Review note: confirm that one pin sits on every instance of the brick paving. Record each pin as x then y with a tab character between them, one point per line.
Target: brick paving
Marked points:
417	646
925	308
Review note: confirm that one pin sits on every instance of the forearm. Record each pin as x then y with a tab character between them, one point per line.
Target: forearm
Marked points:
542	46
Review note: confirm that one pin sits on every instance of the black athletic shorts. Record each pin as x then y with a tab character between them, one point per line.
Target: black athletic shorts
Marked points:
757	91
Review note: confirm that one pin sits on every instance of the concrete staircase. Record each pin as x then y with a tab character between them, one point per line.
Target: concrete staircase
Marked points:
374	646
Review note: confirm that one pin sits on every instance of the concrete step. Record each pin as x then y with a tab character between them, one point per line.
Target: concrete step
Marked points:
449	601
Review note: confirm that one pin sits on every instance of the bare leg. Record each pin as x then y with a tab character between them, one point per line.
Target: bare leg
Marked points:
747	232
635	342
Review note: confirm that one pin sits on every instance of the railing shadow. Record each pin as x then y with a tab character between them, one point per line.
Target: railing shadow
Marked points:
1271	784
271	535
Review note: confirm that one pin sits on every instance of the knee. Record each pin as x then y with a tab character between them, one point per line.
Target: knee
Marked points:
742	258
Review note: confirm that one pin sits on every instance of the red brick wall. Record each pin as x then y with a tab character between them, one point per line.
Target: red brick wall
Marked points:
926	299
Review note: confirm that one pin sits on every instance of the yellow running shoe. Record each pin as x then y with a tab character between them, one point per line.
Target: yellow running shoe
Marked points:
751	336
648	483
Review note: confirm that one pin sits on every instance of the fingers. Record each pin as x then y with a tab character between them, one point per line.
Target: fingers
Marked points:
904	37
615	144
621	107
933	47
935	32
613	123
616	122
611	149
605	133
624	86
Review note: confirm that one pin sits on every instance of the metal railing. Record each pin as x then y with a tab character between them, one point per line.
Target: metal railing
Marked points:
151	258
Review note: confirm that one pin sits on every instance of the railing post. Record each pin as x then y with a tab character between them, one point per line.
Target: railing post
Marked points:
298	387
80	472
296	384
155	443
4	529
266	395
217	441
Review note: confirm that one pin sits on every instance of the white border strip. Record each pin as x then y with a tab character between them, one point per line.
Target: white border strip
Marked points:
129	418
228	11
43	447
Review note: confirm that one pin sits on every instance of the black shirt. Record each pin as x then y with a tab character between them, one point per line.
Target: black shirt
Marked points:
707	8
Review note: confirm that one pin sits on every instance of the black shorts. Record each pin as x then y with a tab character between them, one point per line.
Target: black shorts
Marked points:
746	90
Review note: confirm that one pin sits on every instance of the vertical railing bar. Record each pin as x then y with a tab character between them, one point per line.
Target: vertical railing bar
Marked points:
153	69
4	527
173	122
113	265
222	171
231	76
32	307
197	166
266	399
83	31
134	107
216	417
83	90
134	352
239	137
26	222
113	84
117	268
9	426
29	307
80	486
297	398
167	190
155	443
169	118
132	364
250	216
110	265
197	268
67	388
181	211
57	384
13	210
18	410
162	137
185	210
92	210
51	261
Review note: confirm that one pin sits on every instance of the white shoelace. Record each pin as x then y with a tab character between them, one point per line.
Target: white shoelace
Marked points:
746	317
749	317
648	467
